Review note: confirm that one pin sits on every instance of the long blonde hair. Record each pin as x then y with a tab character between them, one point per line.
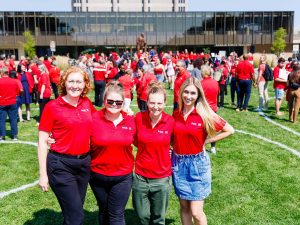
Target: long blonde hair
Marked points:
201	105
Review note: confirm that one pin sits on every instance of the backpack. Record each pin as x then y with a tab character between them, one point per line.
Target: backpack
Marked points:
268	73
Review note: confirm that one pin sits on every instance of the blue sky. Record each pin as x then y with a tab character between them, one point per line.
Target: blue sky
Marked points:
194	5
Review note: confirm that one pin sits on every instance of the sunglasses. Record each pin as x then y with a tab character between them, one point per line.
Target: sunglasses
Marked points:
111	102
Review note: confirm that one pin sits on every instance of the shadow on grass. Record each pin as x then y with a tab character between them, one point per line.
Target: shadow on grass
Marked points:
51	217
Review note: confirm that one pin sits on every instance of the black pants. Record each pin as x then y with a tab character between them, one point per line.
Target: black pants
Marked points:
99	91
68	179
221	95
112	193
42	103
143	105
55	90
233	89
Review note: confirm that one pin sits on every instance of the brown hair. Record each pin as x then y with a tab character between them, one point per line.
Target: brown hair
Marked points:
156	88
64	77
114	86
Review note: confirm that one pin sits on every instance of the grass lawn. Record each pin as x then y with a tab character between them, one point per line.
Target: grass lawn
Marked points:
254	182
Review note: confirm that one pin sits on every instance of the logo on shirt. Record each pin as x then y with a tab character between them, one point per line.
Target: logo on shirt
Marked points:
196	124
85	110
163	132
127	128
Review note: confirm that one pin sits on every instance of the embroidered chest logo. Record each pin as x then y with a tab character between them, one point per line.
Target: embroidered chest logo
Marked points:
127	128
85	110
162	131
196	124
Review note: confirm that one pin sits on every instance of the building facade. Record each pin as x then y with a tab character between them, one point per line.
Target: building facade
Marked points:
75	31
129	5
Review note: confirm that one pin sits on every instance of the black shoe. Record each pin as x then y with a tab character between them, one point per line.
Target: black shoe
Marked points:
2	138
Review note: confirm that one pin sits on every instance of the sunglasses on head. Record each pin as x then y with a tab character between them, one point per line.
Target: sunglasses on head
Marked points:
111	102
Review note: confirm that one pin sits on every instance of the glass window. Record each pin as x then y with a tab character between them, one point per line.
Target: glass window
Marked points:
71	23
81	22
257	18
30	22
239	23
9	23
60	24
277	20
1	24
248	25
40	24
19	23
92	26
229	26
267	23
200	23
190	25
220	22
51	24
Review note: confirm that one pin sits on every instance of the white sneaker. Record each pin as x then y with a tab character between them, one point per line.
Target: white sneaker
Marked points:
257	110
213	150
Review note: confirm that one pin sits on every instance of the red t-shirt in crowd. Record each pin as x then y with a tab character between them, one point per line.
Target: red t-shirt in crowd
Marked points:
233	71
54	75
128	84
180	78
261	70
276	84
244	70
190	135
9	90
29	79
99	72
111	146
211	89
70	126
35	71
144	84
47	64
153	155
44	80
224	74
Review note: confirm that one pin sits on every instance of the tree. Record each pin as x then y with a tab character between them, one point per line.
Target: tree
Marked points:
29	44
279	44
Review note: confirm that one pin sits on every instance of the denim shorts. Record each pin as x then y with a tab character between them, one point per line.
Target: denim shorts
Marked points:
191	176
279	93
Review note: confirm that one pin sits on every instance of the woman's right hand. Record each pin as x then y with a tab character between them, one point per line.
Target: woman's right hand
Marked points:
43	183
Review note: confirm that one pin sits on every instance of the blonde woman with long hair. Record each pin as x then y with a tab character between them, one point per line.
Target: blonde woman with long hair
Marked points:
196	124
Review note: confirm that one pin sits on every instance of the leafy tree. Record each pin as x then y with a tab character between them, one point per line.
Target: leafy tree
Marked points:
29	44
279	44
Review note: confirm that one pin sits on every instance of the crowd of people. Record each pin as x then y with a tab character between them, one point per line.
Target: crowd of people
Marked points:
95	147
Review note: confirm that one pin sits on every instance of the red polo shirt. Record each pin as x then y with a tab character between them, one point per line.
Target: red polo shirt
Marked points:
244	70
54	75
111	146
211	90
180	78
44	80
153	155
128	84
190	135
99	72
9	90
144	84
70	126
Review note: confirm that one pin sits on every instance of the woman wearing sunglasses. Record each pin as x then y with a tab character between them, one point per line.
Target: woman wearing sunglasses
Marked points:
152	178
111	156
68	120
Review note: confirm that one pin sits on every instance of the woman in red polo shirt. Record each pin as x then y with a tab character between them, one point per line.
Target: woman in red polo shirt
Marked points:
68	120
196	124
152	179
44	88
111	156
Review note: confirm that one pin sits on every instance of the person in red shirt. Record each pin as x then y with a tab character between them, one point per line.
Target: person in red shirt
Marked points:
66	167
9	90
196	124
233	83
279	84
35	72
99	73
54	74
12	62
128	84
44	88
47	62
112	159
152	178
262	85
245	76
27	84
211	91
146	79
182	75
222	84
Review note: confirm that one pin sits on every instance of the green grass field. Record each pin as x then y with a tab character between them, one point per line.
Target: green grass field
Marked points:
254	182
